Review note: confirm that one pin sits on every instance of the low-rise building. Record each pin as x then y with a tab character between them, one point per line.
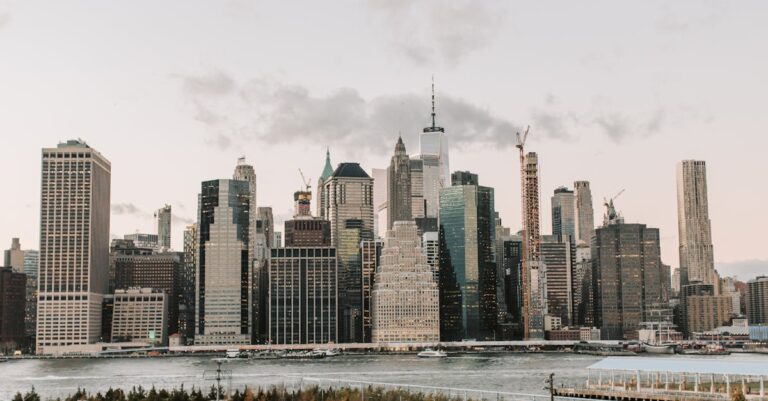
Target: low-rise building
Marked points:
140	314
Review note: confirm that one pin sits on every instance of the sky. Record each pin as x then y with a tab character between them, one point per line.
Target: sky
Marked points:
173	92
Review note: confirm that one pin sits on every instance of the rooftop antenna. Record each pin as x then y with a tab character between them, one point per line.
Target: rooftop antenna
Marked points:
433	100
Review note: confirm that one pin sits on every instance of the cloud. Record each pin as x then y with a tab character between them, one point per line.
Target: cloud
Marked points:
618	126
127	209
274	112
445	31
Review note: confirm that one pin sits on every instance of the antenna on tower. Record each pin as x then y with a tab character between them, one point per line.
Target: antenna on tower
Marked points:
433	100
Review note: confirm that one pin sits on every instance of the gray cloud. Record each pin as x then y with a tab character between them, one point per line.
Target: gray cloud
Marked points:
618	126
274	112
439	30
127	209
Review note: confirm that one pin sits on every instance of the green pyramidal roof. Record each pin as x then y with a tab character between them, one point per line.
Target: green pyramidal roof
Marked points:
328	169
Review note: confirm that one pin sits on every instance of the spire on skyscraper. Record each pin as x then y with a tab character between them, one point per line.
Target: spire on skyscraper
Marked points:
328	168
434	127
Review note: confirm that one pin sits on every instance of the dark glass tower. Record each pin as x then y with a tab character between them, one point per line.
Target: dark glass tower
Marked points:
468	229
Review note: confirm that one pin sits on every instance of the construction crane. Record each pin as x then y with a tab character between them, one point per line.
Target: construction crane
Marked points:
525	245
305	181
610	209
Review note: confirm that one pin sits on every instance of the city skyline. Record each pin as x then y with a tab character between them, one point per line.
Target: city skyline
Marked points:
479	119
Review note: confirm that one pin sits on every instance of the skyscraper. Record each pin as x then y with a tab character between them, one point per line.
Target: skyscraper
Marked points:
263	243
467	220
399	203
405	295
163	216
563	213
370	252
534	306
512	280
14	257
74	247
557	257
12	306
433	148
224	276
349	208
322	196
625	277
757	300
584	219
187	283
502	234
696	257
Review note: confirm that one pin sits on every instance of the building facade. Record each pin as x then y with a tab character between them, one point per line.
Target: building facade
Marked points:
163	217
399	203
14	256
140	315
557	257
694	228
757	300
74	247
349	208
405	295
224	275
187	284
625	278
303	295
467	222
564	213
584	219
703	310
370	253
13	289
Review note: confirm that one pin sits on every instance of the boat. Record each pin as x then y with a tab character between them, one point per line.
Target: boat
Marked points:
659	348
430	353
235	353
327	352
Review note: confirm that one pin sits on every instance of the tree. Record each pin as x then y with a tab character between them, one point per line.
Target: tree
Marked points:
738	395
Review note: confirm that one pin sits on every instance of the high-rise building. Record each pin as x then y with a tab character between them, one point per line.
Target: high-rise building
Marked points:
405	295
564	213
303	295
451	322
350	210
399	203
757	300
14	257
433	148
467	221
418	206
534	305
31	262
160	271
187	283
370	252
728	287
676	281
557	258
696	257
702	309
264	236
13	288
380	195
625	277
74	247
224	274
245	172
501	234
430	243
140	315
512	279
305	230
584	219
163	216
322	196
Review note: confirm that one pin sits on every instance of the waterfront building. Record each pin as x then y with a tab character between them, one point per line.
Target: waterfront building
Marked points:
30	306
163	216
405	294
161	271
557	257
696	257
187	283
370	252
14	257
501	234
74	247
534	304
564	213
625	276
467	223
757	300
140	315
145	241
263	243
399	203
728	286
13	289
224	274
702	309
349	208
303	295
512	279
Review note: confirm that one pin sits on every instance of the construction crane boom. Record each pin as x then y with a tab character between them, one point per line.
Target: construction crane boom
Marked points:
305	181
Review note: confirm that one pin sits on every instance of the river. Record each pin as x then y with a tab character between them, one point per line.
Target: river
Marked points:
518	373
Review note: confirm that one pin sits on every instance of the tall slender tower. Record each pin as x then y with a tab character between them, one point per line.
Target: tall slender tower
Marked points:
434	153
585	217
696	255
399	186
322	197
163	216
74	247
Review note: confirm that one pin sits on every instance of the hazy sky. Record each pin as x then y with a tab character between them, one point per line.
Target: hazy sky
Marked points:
173	92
